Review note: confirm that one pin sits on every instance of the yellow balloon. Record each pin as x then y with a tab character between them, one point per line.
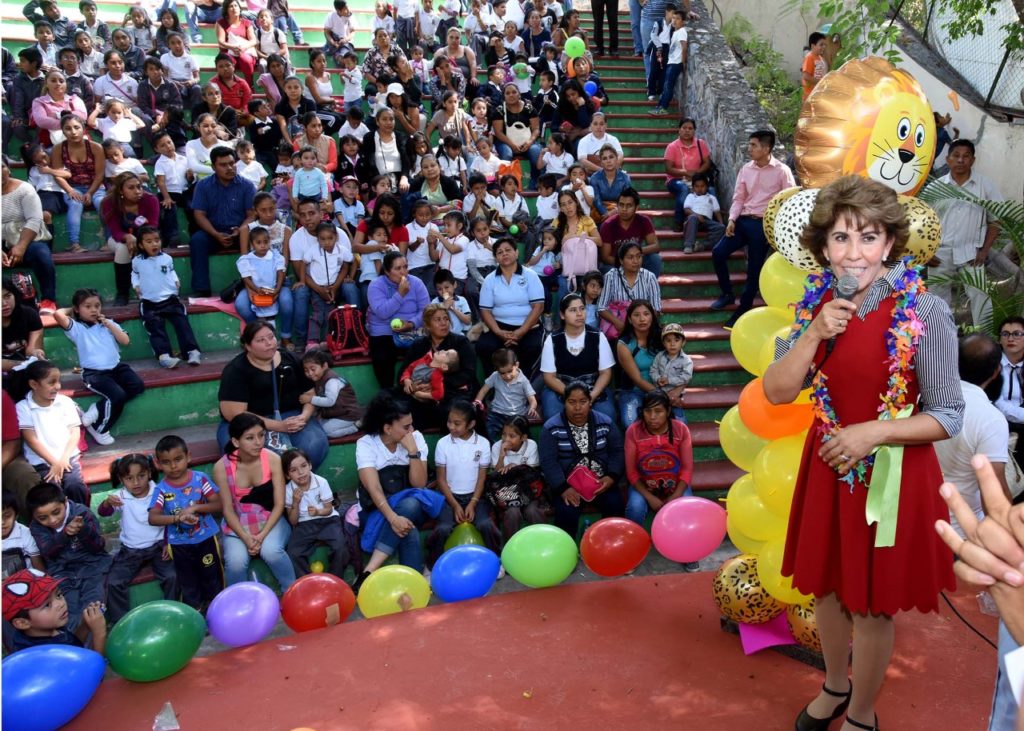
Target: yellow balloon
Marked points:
775	471
804	397
925	229
392	589
767	355
752	518
750	332
742	541
772	210
740	444
769	571
781	283
317	567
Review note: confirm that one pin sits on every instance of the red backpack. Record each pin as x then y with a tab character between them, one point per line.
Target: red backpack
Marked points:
346	334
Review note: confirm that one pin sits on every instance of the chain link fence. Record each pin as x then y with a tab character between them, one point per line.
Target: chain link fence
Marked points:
982	60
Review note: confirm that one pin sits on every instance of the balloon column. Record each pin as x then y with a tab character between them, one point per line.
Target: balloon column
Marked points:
866	118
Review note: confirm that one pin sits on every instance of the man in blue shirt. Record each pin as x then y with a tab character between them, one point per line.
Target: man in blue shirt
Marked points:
222	204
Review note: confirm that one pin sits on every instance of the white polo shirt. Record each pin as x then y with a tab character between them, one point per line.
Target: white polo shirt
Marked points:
51	425
318	494
462	460
97	348
136	532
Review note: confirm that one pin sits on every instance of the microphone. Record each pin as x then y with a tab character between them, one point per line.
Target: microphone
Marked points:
846	287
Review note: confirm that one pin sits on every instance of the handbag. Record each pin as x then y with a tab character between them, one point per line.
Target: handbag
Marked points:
261	300
584	481
277	441
518	133
712	173
618	309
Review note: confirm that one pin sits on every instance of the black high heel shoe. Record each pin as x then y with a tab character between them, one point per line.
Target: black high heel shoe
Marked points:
858	724
806	722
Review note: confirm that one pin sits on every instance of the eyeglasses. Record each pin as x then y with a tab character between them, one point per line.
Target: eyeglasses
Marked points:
1014	334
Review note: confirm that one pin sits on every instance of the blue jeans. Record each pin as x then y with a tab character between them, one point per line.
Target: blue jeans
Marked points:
634	27
236	556
39	259
551	403
749	233
1004	706
285	309
695	223
653	264
75	210
532	154
199	248
646	26
410	549
312	439
287	23
637	507
200	14
679	188
672	72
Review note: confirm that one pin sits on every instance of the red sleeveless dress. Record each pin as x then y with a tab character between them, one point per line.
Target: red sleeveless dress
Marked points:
829	545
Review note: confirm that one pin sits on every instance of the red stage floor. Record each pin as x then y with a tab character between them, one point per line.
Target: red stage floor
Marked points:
640	653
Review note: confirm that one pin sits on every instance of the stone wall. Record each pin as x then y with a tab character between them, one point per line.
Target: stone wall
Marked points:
720	100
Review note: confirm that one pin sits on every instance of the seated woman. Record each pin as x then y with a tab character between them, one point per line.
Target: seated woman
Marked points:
575	110
576	355
48	108
626	283
581	447
213	104
248	384
251	483
639	342
125	210
440	191
85	160
325	146
385	151
407	113
511	303
393	505
659	459
516	130
393	295
22	329
22	214
458	383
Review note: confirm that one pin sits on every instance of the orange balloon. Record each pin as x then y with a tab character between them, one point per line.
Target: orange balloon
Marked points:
771	421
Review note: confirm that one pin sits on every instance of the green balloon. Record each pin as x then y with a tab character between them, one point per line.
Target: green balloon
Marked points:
513	229
155	640
574	47
540	556
465	534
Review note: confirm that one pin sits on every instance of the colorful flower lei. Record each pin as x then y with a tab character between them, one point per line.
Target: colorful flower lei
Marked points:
901	340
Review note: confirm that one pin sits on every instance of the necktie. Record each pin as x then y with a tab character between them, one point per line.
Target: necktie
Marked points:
1015	378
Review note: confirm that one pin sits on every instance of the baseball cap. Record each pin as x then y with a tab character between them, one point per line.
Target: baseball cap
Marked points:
396	88
26	589
350	178
673	328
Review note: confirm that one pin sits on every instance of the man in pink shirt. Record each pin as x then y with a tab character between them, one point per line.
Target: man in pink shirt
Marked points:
757	183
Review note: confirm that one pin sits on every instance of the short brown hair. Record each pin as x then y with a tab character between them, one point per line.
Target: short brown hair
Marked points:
430	310
861	201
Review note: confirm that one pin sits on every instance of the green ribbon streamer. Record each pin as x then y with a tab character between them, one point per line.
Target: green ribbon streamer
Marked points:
882	507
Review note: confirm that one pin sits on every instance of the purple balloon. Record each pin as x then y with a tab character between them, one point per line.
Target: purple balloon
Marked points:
590	87
243	613
688	529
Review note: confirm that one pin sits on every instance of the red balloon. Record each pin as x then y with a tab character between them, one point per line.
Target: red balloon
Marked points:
613	546
316	601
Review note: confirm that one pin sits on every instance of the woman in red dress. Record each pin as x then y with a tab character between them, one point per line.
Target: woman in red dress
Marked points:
889	349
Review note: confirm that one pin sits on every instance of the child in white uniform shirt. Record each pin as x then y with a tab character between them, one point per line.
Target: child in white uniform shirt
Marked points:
547	199
423	234
371	262
118	124
262	271
17	538
248	166
462	457
327	273
459	314
156	283
352	93
118	163
702	214
141	543
510	487
451	250
311	512
40	177
172	179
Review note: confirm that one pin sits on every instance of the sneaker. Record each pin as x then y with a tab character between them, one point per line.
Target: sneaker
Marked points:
658	111
168	361
691	567
102	438
90	415
194	357
652	98
197	37
688	249
722	302
47	307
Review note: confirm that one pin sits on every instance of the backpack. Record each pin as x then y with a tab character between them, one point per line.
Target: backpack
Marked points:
579	256
346	334
25	287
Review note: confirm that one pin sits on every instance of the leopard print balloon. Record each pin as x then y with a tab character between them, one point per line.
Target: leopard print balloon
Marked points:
793	215
772	210
925	229
739	594
804	626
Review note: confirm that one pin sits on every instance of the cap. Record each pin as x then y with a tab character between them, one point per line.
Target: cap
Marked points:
396	88
26	589
348	178
673	328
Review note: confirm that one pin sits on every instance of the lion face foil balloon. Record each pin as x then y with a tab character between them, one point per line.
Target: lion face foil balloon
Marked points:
866	118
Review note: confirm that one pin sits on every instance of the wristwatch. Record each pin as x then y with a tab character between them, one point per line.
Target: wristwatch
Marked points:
416	455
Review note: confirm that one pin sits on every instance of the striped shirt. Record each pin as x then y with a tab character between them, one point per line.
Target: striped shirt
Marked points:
936	360
617	289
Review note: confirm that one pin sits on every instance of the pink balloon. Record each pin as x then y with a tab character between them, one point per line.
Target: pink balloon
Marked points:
688	529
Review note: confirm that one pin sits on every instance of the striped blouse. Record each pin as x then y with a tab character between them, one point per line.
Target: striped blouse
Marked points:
936	360
617	289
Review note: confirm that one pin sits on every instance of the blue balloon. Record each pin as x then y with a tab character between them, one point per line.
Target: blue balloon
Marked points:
44	687
590	87
464	572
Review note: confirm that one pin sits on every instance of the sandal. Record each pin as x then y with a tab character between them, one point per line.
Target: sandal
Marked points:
858	724
806	722
75	248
